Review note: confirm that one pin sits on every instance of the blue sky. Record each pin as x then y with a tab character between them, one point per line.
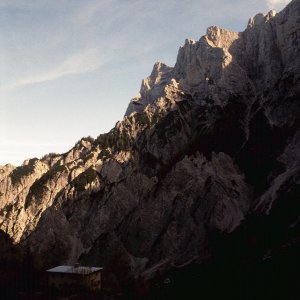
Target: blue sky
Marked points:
69	67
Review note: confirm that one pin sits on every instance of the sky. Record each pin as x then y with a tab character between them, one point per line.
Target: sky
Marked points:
70	67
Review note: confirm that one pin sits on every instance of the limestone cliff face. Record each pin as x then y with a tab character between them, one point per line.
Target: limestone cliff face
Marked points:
204	145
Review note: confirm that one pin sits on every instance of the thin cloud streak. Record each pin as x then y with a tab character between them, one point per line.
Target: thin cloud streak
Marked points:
87	12
79	63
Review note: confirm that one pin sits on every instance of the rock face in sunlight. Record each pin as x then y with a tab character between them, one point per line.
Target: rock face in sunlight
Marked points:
204	145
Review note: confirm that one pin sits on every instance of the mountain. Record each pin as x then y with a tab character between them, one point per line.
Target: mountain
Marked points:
207	146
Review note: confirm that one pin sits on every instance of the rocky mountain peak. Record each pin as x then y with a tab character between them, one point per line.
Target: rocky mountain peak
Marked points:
256	20
152	88
261	18
221	38
271	14
189	42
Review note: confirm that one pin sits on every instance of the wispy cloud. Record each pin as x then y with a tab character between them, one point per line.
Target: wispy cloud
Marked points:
79	63
277	4
88	11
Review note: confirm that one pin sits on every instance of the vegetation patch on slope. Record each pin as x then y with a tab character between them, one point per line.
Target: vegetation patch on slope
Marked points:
39	187
83	179
119	141
23	171
104	155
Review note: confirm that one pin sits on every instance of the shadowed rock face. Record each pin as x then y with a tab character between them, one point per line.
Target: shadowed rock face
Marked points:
203	146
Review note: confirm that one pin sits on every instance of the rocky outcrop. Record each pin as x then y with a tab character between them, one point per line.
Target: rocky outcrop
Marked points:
204	145
152	88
